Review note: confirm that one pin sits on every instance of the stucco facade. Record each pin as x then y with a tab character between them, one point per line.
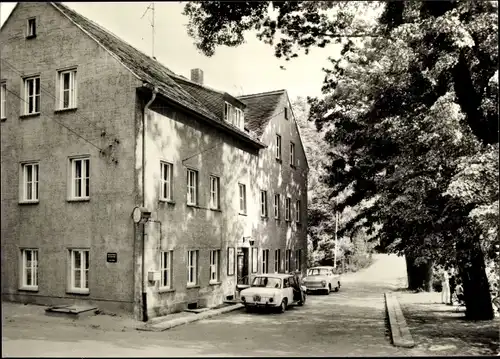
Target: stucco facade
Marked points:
107	128
105	112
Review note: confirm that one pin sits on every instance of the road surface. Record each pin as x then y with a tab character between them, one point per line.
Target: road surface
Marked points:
348	323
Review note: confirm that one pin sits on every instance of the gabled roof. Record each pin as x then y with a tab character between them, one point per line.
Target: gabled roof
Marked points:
260	109
149	70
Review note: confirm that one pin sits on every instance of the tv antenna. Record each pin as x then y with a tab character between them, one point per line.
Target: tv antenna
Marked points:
152	8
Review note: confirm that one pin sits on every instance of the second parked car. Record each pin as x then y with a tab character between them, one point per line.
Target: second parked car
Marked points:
323	279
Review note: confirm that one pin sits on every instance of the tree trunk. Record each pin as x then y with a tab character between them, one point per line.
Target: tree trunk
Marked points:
419	277
475	284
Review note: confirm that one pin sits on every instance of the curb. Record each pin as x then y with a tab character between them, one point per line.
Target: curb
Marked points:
400	332
169	324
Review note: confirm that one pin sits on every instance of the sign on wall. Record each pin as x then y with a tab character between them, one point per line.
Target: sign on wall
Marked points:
255	253
230	261
111	257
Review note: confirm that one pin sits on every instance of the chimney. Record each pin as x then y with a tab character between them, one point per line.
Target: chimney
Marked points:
197	76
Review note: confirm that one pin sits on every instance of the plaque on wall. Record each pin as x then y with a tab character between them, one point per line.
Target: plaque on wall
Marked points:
111	257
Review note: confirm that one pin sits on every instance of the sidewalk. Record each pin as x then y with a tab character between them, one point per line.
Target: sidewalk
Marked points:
438	329
31	316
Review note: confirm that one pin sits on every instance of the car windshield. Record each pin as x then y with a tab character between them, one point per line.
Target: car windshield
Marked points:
318	271
266	282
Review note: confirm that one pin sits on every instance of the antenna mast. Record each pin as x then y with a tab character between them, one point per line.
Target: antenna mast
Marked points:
152	8
153	30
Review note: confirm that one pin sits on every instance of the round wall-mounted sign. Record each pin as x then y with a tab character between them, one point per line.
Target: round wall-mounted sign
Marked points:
137	215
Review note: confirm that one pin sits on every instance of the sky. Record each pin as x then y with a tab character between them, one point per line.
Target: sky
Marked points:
249	68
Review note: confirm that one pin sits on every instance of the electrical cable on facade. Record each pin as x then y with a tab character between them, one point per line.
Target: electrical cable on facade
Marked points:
69	129
49	93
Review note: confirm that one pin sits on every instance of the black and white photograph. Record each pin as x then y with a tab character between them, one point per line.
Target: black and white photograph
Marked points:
249	178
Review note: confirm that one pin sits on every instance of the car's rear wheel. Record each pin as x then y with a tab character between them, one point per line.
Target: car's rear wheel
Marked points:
283	306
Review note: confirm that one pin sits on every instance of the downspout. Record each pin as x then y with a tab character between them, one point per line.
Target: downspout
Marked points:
144	284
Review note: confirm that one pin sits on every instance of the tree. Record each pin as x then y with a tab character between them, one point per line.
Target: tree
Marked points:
322	209
399	104
412	103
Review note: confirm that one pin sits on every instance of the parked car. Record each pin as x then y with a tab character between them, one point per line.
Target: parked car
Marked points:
273	291
322	279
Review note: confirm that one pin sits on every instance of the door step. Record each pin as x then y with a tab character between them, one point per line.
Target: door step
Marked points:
197	311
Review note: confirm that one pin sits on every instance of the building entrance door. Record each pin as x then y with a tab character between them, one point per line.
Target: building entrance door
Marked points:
242	266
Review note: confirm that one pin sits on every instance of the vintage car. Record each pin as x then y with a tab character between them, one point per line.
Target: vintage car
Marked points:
273	291
322	279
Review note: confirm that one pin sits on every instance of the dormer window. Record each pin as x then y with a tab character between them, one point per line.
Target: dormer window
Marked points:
31	29
234	115
286	113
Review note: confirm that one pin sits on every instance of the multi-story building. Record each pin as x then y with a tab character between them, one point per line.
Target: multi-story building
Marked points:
132	188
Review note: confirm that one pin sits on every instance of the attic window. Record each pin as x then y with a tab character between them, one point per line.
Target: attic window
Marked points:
234	116
31	29
286	113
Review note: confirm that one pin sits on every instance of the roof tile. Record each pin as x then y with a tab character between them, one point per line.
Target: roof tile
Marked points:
198	99
260	109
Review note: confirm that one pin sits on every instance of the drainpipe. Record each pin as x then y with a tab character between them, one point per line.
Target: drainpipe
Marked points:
144	284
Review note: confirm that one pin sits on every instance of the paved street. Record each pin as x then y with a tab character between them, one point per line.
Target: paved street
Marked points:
351	322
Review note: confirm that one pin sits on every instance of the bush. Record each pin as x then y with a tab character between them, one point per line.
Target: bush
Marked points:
359	261
437	286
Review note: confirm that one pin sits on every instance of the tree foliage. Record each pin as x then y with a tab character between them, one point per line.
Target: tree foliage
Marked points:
289	26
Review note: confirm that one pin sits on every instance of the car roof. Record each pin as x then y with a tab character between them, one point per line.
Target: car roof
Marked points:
322	267
275	275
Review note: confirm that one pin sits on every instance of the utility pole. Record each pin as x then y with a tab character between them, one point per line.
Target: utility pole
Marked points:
152	8
336	228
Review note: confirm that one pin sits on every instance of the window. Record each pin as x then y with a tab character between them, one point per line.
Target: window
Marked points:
192	187
278	147
214	266
263	203
238	120
32	95
29	269
277	206
298	264
228	112
234	115
255	260
288	259
243	198
67	89
3	100
166	181
265	261
166	269
287	208
214	192
192	268
292	154
31	29
297	211
29	192
80	178
79	277
285	111
277	260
